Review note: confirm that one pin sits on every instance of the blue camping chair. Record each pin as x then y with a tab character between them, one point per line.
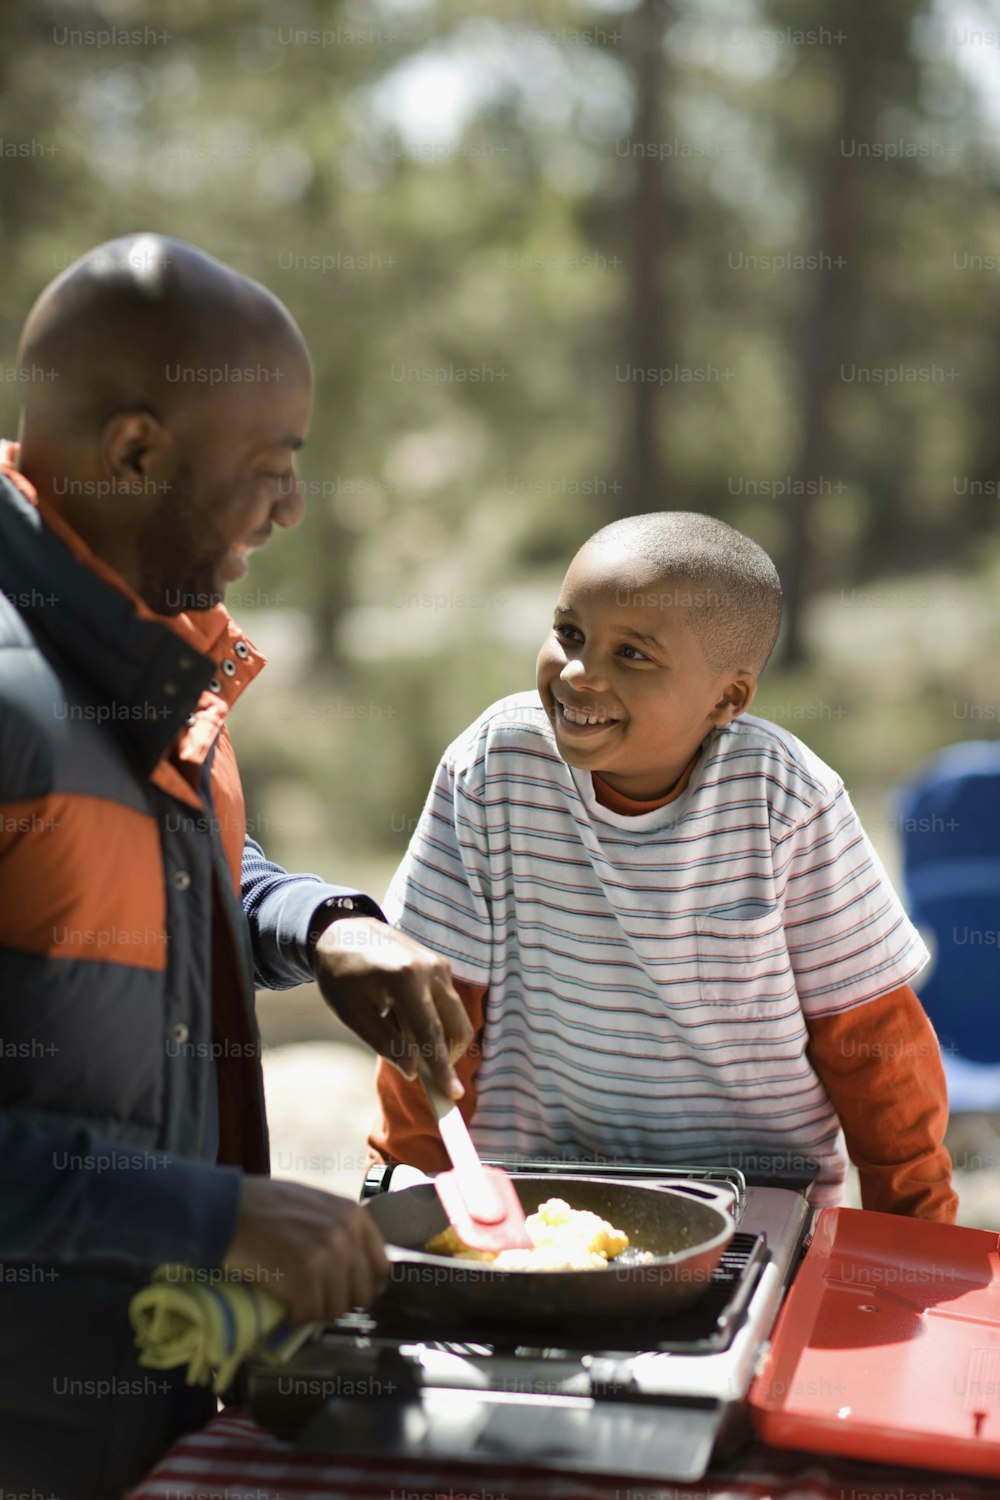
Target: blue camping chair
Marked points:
950	825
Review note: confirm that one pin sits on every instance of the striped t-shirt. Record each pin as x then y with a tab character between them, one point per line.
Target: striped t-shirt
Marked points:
650	978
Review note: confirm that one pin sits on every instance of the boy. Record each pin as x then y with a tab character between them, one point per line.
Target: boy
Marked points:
670	931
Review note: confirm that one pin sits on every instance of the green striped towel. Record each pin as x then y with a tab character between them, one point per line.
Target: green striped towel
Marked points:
211	1324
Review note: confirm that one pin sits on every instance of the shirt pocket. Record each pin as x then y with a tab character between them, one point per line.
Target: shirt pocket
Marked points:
743	959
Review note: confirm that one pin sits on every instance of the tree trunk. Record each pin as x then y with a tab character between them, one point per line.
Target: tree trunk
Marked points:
826	334
645	481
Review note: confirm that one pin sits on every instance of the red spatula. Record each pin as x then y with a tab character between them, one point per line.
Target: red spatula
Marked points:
481	1202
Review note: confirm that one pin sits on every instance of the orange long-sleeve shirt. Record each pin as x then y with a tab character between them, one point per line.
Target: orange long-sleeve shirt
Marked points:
879	1062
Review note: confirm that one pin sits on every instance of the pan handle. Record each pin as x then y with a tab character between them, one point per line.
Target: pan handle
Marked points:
723	1198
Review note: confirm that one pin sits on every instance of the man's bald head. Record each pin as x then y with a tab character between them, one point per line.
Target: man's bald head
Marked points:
164	397
115	328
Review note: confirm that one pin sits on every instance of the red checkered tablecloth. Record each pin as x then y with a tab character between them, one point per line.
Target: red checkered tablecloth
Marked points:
234	1459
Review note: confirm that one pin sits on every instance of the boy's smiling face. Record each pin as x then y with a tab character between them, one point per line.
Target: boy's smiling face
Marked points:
624	678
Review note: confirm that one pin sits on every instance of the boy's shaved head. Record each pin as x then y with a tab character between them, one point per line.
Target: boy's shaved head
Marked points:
726	583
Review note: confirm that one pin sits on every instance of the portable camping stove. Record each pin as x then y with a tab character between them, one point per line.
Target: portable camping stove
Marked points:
658	1401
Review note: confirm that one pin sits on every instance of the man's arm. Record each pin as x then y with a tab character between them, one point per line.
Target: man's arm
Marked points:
406	1129
284	911
76	1197
389	989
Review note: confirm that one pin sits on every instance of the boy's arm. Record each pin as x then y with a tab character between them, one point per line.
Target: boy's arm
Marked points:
880	1062
405	1129
854	953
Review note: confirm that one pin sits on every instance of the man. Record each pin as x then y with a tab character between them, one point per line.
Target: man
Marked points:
164	399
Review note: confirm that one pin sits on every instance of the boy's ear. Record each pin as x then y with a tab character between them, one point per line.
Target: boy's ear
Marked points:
735	700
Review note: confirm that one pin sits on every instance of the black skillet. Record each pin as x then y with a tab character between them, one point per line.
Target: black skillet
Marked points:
676	1241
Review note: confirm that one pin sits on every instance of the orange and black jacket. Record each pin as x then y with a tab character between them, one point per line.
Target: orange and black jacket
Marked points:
135	913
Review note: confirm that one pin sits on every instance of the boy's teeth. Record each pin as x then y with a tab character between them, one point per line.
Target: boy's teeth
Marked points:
576	717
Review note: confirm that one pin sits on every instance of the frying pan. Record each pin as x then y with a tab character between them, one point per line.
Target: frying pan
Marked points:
685	1232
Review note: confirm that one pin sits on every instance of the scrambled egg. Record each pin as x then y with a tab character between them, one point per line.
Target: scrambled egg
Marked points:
564	1239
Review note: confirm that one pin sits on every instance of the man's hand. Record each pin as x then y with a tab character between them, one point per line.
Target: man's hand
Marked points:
318	1254
396	995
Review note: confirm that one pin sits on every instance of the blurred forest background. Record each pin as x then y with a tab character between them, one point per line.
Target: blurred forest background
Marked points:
556	263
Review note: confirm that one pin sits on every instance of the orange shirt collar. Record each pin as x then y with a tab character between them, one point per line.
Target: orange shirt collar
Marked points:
631	807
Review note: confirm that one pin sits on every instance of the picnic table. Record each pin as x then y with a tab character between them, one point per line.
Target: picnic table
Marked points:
234	1458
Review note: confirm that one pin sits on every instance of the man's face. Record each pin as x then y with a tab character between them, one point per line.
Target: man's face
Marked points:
623	677
235	480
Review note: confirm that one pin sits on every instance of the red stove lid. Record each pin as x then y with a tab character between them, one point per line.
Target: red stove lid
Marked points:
888	1346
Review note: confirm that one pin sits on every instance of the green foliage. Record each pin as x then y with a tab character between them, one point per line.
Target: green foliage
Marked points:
503	254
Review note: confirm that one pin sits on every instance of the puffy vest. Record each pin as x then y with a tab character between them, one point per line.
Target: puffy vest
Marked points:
126	968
